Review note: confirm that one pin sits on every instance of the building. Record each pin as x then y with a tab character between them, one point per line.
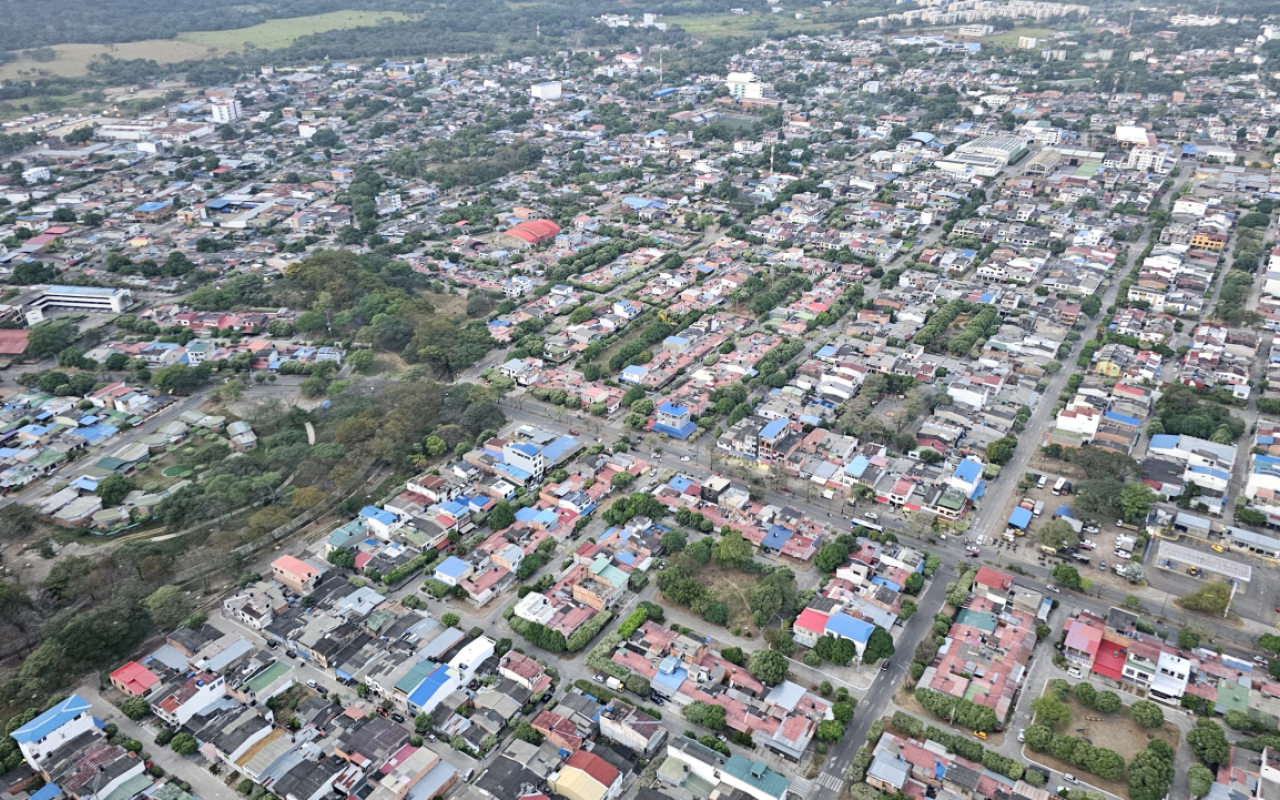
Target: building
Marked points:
153	212
299	576
744	86
44	735
177	703
547	90
586	776
135	680
225	110
674	420
37	304
632	727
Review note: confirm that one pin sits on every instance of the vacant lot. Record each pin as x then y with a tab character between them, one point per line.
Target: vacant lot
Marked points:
733	588
284	32
74	59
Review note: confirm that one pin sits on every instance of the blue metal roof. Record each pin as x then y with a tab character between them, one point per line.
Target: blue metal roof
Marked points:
429	686
774	428
51	720
377	514
1020	518
776	537
452	567
847	627
968	470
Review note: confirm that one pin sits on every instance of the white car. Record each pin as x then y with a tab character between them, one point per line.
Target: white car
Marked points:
1088	544
1051	587
684	459
311	684
871	515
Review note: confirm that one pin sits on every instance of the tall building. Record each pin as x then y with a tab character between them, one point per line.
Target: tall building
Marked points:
225	110
744	85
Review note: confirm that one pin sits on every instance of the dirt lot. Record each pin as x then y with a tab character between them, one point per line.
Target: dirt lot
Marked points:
733	588
1114	732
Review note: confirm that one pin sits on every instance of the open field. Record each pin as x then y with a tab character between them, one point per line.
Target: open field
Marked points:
74	59
284	32
748	24
1010	38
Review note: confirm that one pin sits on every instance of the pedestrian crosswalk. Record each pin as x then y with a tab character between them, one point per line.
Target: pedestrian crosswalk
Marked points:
801	787
829	781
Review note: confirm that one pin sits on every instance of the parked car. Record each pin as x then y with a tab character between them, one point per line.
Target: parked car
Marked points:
1069	778
981	735
599	679
397	717
1088	544
884	665
1217	548
1022	736
311	684
1102	565
572	432
871	515
684	459
1053	588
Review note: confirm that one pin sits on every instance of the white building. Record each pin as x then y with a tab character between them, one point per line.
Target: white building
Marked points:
744	86
40	737
225	110
526	457
182	701
468	660
37	175
547	90
74	298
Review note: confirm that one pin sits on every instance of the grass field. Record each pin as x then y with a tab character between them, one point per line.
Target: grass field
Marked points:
74	59
284	32
1010	38
746	25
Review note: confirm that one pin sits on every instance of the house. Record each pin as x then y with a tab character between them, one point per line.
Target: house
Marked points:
135	680
178	702
674	421
632	727
686	757
44	735
298	576
586	776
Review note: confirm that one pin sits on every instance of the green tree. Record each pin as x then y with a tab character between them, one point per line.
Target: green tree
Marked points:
48	338
1209	742
168	607
1199	780
1151	772
1057	534
674	541
732	550
879	645
1050	711
1001	450
831	557
707	715
830	730
768	666
136	708
1212	598
450	620
184	744
1147	714
113	489
502	516
1135	501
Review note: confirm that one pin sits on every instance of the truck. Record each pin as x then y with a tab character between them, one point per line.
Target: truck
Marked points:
1039	507
613	683
1057	486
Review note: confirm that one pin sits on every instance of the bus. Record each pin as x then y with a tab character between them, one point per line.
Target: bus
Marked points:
856	523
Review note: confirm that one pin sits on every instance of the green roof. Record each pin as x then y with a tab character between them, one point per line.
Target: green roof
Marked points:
1231	697
377	619
171	791
267	677
416	676
131	787
757	774
48	456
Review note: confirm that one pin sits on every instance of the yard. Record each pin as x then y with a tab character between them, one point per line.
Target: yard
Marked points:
73	59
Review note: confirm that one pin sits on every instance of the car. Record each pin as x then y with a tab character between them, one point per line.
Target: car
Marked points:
291	653
1074	673
1087	544
685	459
1195	573
1102	565
871	515
884	665
1022	736
1260	660
1217	548
323	690
572	432
469	774
431	736
1069	778
398	717
1041	481
657	701
942	537
722	737
1053	588
981	735
311	684
273	644
599	679
973	554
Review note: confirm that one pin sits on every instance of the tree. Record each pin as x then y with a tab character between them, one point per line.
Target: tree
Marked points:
1151	772
674	541
622	480
1200	780
306	498
1038	737
1050	711
1188	639
502	516
831	557
1001	450
1209	742
48	338
732	550
1135	501
168	606
450	620
184	744
706	714
1068	576
830	730
1147	714
180	378
1212	598
136	708
325	139
638	684
768	666
733	655
1057	534
879	645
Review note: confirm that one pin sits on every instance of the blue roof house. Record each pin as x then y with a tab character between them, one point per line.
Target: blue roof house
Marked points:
45	734
843	626
452	570
674	421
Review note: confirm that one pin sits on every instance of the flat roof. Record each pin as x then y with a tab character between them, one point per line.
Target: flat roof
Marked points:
1173	556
